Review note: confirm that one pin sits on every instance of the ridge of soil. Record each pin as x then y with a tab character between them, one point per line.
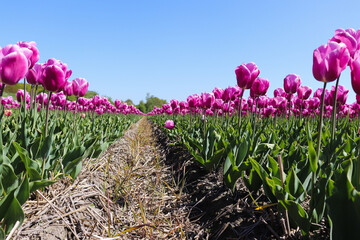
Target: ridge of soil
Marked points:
145	187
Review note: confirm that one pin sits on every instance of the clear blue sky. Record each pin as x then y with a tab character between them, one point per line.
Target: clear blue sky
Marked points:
174	48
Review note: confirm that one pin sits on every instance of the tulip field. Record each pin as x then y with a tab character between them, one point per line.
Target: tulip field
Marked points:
298	148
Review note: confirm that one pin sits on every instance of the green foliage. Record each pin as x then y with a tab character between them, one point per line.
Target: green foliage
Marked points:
30	161
329	183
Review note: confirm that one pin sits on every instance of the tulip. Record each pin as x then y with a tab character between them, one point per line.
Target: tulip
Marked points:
218	92
304	92
329	61
80	86
207	100
259	87
7	113
291	83
68	89
246	75
349	37
20	96
55	75
35	52
279	92
174	103
169	124
14	64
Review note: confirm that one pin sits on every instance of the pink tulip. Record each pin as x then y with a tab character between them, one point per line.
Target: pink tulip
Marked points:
34	75
259	87
20	96
174	103
80	86
55	75
329	61
246	75
349	37
68	89
291	83
279	92
35	52
304	92
193	100
14	64
207	100
218	92
342	95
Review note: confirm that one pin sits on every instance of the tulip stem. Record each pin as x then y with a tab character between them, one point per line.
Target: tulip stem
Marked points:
2	106
240	107
321	121
333	117
47	113
289	105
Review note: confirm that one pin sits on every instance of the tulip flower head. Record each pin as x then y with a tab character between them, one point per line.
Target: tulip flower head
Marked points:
329	61
14	64
304	92
34	51
246	75
55	75
169	124
68	89
80	86
259	87
349	37
7	113
291	83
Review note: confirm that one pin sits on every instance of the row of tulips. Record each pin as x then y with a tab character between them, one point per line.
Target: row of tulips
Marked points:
39	146
274	149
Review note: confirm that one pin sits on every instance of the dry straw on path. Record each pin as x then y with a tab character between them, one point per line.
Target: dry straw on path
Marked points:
127	193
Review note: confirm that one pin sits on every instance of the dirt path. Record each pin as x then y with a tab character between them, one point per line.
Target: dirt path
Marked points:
128	193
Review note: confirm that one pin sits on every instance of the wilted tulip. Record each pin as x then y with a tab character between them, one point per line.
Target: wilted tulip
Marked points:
329	61
246	75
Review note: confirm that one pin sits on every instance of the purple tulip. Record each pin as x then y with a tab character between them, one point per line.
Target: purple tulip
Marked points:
269	111
218	92
207	100
68	89
20	96
246	75
349	37
35	52
174	103
34	75
259	87
193	100
304	92
329	61
42	98
55	75
14	64
342	95
279	92
117	103
169	124
80	86
291	83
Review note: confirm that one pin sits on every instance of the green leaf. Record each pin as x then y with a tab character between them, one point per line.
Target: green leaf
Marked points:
312	157
8	178
11	211
22	193
39	184
32	167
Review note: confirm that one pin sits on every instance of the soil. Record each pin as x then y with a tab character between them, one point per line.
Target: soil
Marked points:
145	187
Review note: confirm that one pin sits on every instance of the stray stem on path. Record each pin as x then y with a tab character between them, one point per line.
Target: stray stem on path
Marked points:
334	110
